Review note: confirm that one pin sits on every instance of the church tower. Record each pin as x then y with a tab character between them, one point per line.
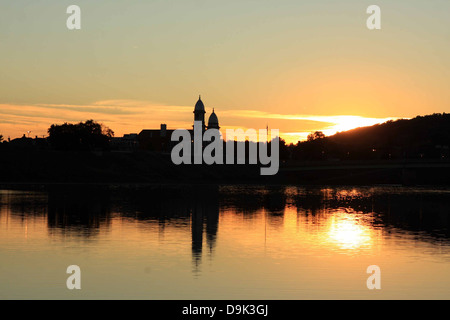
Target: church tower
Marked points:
213	122
199	112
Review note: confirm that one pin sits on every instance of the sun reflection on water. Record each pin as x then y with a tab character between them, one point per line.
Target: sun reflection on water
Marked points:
348	232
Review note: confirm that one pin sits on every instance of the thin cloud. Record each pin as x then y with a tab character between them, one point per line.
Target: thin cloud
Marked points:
125	116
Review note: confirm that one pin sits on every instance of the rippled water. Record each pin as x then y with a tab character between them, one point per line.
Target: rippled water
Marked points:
228	242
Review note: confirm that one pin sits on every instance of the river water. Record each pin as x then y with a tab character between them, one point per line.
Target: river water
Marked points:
225	242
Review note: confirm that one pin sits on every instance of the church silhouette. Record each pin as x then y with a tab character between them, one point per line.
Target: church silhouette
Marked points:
159	139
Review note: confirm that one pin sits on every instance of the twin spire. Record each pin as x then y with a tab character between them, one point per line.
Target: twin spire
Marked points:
199	115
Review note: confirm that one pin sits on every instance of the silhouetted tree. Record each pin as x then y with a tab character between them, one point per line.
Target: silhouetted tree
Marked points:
87	135
423	137
316	135
284	150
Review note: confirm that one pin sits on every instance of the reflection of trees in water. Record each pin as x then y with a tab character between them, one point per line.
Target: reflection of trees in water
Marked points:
417	212
23	204
250	199
410	210
79	211
196	208
424	212
85	211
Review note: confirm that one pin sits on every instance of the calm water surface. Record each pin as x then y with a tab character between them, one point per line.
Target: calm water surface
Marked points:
228	242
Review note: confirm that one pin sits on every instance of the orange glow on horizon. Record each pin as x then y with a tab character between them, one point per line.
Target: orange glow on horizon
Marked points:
341	123
129	116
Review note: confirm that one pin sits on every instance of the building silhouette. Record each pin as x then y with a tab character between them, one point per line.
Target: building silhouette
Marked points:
159	140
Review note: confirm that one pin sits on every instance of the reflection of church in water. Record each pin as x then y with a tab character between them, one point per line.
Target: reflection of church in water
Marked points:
91	210
204	222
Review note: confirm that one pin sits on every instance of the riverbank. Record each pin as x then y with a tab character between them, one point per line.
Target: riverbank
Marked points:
115	168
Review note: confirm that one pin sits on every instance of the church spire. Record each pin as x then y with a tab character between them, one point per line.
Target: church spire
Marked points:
199	112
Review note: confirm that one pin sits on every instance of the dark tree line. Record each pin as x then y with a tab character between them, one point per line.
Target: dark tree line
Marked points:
88	135
423	137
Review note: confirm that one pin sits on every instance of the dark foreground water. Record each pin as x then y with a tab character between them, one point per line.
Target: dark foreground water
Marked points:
229	242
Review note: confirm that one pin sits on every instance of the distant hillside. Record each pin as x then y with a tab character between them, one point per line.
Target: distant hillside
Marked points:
424	137
406	152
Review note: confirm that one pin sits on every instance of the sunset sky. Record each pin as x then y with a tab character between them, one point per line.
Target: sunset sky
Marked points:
297	66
